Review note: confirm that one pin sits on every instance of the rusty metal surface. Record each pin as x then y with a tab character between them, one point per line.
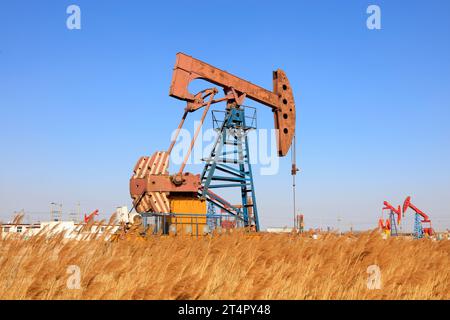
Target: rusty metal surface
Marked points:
281	100
284	117
151	185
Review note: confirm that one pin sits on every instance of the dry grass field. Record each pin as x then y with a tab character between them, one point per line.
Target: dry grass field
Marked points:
227	266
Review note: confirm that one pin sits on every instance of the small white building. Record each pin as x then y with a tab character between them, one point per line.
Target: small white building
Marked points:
71	229
280	230
19	229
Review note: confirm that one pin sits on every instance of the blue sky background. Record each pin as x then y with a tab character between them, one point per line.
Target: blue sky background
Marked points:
78	107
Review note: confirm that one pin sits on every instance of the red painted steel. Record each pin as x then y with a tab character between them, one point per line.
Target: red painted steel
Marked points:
91	216
397	211
426	219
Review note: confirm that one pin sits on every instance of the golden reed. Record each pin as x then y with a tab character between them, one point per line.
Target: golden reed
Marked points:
227	266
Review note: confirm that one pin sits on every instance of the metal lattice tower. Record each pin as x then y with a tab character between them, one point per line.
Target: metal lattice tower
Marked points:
228	165
394	229
418	230
210	215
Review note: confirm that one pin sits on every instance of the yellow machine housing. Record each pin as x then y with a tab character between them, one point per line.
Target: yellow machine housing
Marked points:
190	214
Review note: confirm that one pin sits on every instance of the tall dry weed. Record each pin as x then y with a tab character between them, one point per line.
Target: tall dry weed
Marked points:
225	266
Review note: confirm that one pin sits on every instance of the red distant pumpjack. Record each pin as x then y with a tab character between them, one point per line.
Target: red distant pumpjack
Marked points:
407	204
91	216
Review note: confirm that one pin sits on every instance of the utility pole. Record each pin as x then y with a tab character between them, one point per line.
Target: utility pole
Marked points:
339	219
294	171
78	211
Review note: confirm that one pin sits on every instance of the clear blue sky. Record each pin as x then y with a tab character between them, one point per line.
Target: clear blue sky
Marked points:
78	107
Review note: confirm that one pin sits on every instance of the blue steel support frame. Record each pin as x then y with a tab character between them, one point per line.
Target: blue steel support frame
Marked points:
394	231
240	176
418	230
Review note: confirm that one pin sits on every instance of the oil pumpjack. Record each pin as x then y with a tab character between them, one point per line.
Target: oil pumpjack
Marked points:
422	226
155	192
391	225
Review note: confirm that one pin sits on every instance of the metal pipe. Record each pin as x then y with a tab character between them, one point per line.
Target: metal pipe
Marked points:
196	133
172	143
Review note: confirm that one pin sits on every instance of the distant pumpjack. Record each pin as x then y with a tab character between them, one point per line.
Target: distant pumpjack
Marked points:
391	223
91	216
419	229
